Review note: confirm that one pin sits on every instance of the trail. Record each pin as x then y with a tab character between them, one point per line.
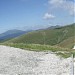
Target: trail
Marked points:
15	61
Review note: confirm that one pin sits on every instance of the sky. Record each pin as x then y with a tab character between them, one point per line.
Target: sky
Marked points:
35	14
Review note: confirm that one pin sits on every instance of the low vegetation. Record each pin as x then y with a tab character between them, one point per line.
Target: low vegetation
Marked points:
60	40
62	36
68	43
64	52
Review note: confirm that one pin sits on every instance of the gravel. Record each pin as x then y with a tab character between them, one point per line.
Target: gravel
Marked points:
15	61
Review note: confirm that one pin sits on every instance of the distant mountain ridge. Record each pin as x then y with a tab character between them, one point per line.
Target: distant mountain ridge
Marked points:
49	36
11	34
53	27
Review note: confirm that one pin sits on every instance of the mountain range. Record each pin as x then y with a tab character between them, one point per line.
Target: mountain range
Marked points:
55	36
11	34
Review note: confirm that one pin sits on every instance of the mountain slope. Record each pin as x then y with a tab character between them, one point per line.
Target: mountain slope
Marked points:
68	43
11	34
47	36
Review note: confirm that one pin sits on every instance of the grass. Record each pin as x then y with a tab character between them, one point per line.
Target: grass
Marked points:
65	55
64	52
47	36
68	43
60	40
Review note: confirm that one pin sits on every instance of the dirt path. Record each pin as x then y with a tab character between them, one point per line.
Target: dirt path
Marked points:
14	61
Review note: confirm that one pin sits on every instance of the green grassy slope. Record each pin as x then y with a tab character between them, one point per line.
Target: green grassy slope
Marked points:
63	52
68	43
47	36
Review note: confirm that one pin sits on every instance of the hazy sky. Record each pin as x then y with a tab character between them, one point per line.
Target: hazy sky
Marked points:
32	14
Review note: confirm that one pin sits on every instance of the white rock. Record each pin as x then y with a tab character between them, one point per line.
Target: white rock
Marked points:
74	47
14	61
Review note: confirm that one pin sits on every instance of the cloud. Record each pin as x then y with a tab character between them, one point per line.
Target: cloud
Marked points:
48	16
67	5
56	2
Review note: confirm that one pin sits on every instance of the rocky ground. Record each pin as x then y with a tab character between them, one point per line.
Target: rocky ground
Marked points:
14	61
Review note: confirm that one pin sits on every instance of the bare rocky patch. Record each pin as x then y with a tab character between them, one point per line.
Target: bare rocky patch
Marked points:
14	61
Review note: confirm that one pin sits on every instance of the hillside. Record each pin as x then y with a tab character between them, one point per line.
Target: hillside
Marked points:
11	34
68	43
47	36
